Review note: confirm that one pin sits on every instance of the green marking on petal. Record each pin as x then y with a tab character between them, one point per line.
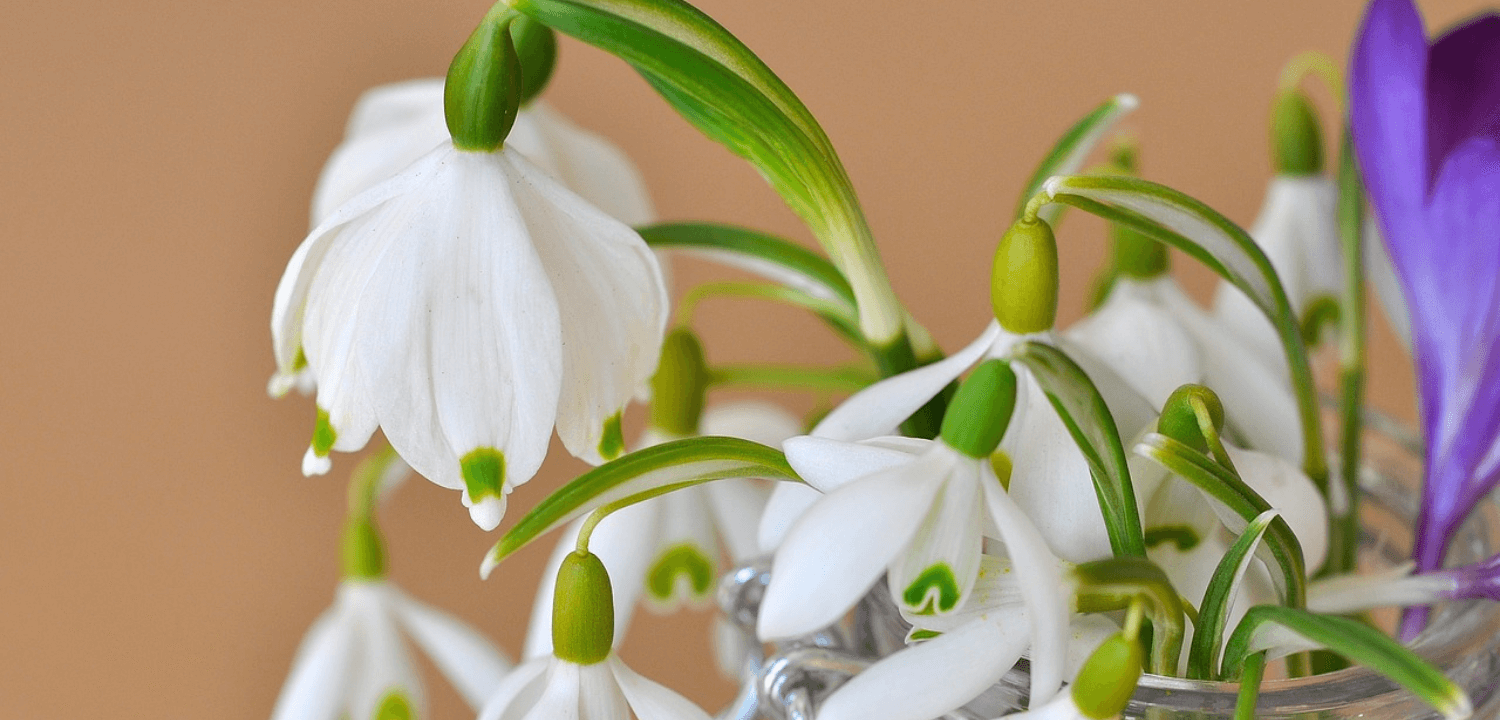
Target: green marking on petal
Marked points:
1001	463
395	706
299	362
686	560
938	578
917	635
323	435
1184	537
484	473
612	442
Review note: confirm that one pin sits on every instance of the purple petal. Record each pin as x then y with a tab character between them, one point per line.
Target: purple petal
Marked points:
1463	87
1388	112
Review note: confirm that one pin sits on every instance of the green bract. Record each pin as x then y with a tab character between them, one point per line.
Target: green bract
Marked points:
483	92
979	414
1296	137
583	610
536	49
1024	280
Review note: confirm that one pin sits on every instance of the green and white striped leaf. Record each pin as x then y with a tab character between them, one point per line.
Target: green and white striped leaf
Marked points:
641	475
1237	505
1072	149
1182	222
1268	627
1213	613
1089	421
720	86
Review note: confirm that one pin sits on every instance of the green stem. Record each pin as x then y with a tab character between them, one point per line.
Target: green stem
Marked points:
1343	508
843	379
1250	677
1118	583
1312	63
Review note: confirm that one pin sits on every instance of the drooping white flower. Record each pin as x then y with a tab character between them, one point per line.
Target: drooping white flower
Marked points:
547	688
465	307
354	661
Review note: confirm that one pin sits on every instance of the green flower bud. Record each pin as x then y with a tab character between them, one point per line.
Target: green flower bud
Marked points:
583	611
1180	422
483	92
1296	136
363	550
1024	282
680	386
1108	678
536	47
980	412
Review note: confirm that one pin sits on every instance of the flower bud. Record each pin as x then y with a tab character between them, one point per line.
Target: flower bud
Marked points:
363	550
483	92
1108	678
981	409
583	610
1024	281
1296	136
1179	420
536	49
680	385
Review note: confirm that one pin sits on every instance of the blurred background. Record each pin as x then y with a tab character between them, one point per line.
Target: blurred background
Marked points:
160	552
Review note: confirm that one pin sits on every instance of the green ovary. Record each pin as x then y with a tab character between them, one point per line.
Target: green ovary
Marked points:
685	560
937	579
395	706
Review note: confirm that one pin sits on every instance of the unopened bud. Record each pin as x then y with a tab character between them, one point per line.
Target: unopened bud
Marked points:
1024	281
680	386
1296	135
1179	420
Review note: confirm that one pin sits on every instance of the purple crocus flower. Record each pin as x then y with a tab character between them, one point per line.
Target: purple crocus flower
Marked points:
1426	126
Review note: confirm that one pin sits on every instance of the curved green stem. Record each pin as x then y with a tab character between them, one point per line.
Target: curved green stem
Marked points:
1118	583
1313	62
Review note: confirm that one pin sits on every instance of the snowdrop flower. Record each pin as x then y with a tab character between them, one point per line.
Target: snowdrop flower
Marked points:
1297	228
1423	120
470	304
583	678
915	510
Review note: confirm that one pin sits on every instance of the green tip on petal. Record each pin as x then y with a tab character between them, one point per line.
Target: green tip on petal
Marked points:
611	441
1296	135
583	611
1108	678
483	91
483	471
363	550
1024	280
936	584
679	389
1001	463
1179	420
299	362
323	435
395	706
536	48
918	635
977	418
680	561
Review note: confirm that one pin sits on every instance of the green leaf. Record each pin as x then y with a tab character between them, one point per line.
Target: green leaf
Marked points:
1213	612
720	86
1171	217
1233	500
1112	584
1266	626
640	475
771	257
1068	154
1089	421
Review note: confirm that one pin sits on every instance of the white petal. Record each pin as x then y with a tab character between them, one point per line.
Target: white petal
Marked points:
460	652
841	545
1048	599
390	128
936	676
732	645
593	167
599	693
686	529
1132	412
518	692
1050	479
737	505
1140	341
787	503
561	696
759	422
625	542
1291	493
610	297
1089	632
385	666
1257	400
1060	708
649	700
828	464
880	408
949	540
314	689
397	104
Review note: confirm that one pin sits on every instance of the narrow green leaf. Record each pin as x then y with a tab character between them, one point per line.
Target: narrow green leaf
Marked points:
1213	612
647	472
1070	151
1178	220
1250	677
1264	625
773	258
1089	421
1236	503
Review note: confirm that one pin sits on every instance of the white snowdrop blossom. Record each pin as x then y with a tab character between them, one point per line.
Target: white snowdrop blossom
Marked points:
546	688
1298	230
465	307
668	549
354	663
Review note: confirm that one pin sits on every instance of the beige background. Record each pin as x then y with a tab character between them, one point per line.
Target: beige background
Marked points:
160	553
